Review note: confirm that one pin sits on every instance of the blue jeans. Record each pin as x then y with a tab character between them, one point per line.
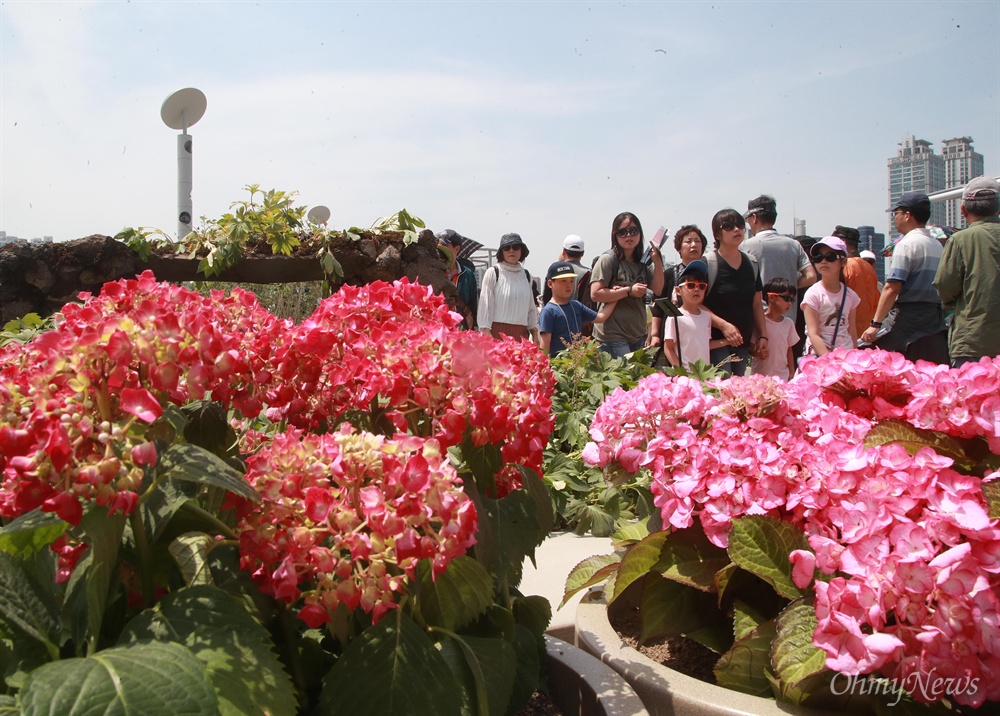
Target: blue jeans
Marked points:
732	367
620	349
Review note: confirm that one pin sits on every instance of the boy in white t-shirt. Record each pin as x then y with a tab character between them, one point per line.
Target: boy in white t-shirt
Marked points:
779	294
695	322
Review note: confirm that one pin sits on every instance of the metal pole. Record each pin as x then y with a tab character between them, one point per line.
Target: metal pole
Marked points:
184	185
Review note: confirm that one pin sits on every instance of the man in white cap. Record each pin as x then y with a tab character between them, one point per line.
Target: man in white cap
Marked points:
968	276
871	258
572	251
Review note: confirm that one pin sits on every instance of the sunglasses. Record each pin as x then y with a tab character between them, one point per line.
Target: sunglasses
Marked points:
631	231
695	285
730	225
819	258
783	297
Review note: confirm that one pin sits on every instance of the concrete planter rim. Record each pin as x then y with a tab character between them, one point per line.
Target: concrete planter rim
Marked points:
581	684
666	692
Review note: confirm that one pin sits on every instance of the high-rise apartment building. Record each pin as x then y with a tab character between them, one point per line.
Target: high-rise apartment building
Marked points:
916	168
962	163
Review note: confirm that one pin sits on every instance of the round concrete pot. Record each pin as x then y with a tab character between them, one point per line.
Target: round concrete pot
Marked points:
665	692
581	685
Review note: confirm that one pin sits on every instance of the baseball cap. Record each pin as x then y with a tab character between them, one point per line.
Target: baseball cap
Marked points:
696	266
450	237
560	269
833	242
981	188
846	233
910	200
573	243
868	255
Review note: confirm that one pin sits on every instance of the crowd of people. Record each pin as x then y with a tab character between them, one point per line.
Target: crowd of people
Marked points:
755	303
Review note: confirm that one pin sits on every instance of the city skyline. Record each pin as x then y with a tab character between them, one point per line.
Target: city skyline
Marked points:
542	118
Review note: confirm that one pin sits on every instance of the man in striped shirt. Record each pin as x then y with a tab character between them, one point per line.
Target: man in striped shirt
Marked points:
909	296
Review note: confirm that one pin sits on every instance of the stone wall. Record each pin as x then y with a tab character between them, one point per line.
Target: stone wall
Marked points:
41	278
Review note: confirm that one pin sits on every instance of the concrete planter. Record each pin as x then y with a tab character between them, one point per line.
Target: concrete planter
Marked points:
664	692
582	686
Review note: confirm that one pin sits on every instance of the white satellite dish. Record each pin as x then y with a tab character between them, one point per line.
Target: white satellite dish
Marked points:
181	110
318	214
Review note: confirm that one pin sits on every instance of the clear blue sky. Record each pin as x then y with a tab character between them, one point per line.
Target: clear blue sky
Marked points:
541	118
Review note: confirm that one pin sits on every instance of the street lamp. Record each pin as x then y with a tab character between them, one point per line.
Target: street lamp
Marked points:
181	110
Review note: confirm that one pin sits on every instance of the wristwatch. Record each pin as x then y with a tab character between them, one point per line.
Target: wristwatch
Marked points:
875	324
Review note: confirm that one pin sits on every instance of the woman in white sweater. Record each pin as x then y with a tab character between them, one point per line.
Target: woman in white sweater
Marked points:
506	301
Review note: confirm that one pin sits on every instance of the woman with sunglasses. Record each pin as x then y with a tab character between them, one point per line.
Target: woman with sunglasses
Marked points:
735	296
507	304
829	306
619	277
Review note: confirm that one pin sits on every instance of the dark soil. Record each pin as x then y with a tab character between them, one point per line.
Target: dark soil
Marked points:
677	652
540	705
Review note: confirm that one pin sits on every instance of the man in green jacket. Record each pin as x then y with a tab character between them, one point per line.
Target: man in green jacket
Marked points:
968	276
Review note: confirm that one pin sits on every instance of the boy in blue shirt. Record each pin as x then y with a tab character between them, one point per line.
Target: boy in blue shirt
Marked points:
563	317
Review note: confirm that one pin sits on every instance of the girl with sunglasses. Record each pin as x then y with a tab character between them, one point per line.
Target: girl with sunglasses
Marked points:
620	277
829	306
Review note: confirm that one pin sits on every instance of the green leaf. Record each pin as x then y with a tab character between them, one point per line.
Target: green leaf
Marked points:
669	608
761	545
207	426
391	668
794	656
629	534
745	667
136	680
991	493
690	558
746	619
235	651
535	487
490	666
161	504
190	552
25	608
457	596
913	438
192	463
103	532
533	612
529	650
509	531
483	461
639	560
589	572
31	532
594	519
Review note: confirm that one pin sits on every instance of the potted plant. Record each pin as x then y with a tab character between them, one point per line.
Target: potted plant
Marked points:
834	538
207	509
584	500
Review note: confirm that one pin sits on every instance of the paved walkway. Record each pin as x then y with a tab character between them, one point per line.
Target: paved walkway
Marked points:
556	557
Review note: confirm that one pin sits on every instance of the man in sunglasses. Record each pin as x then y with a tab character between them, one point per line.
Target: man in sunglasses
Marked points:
778	256
918	329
